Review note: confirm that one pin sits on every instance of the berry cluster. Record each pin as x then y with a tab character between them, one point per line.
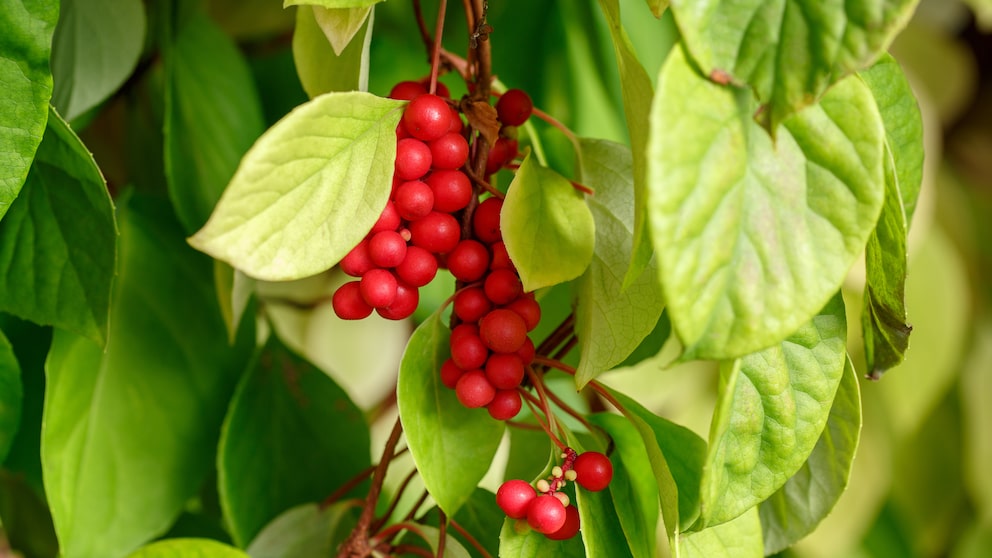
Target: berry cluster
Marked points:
512	109
548	510
400	253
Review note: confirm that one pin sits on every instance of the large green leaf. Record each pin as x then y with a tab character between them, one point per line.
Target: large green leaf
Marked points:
309	189
738	538
754	236
11	395
637	92
188	548
611	321
314	439
886	333
452	446
788	51
547	227
212	115
25	47
772	408
304	531
96	46
794	510
129	432
320	68
57	243
518	540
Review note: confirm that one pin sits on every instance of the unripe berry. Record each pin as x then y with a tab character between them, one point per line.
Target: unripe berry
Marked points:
571	526
413	159
468	261
452	190
348	303
413	199
378	288
485	220
387	248
546	514
503	331
436	232
504	370
514	497
503	286
505	405
471	304
357	261
449	151
474	390
403	306
418	267
427	117
593	471
514	107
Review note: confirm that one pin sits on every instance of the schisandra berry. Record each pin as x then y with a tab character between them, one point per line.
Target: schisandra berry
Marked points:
528	309
403	306
413	159
418	267
436	232
348	303
500	259
452	190
593	471
503	286
469	351
571	526
389	219
427	117
450	373
471	304
378	288
503	331
504	370
501	154
505	405
357	261
485	221
407	90
449	151
387	248
468	261
514	498
474	390
527	352
546	514
413	199
514	107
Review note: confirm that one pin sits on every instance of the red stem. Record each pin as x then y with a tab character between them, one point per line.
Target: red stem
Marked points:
471	540
436	53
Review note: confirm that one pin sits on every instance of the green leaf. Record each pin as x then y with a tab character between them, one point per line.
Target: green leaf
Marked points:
794	510
452	548
547	227
480	516
738	538
340	25
96	46
320	68
983	12
188	548
633	488
637	92
790	51
611	321
57	243
212	116
658	7
518	540
11	396
25	47
452	446
772	408
309	189
129	431
315	439
754	237
304	531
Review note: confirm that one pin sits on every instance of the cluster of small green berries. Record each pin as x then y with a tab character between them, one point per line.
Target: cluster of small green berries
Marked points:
547	509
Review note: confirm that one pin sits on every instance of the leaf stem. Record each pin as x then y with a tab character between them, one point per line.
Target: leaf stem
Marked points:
471	540
545	406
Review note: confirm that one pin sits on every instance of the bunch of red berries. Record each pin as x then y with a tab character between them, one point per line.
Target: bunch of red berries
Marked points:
399	254
548	510
512	109
490	347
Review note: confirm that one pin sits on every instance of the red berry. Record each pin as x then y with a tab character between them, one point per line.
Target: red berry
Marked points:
348	303
413	159
471	304
593	471
485	220
505	405
440	88
387	248
378	288
403	306
546	514
449	151
469	352
418	267
501	259
528	309
427	117
389	219
468	261
456	122
357	261
504	370
503	331
503	286
514	497
413	199
571	526
450	373
462	330
500	154
436	232
514	107
527	352
407	90
452	190
474	390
